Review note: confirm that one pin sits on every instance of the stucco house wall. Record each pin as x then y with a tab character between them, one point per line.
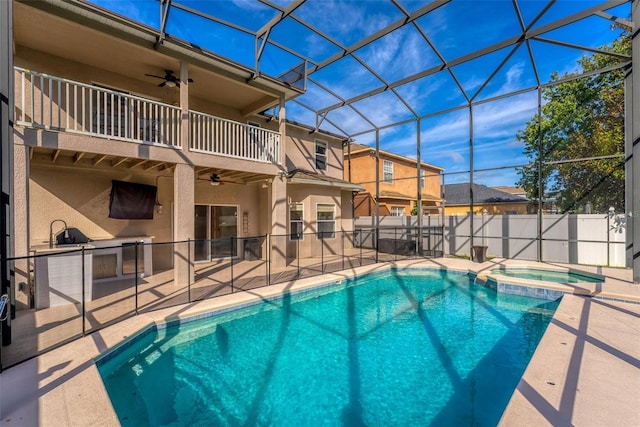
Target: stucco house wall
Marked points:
362	168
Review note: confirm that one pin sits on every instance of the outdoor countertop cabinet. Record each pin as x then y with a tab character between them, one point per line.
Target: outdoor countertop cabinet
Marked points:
58	270
59	277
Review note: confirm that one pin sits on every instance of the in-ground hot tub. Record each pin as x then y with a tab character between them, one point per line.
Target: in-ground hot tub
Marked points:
555	276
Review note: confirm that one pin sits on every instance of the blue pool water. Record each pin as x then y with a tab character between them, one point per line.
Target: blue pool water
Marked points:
418	347
547	275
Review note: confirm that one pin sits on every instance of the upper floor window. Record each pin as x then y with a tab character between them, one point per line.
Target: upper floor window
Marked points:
387	171
296	221
321	155
397	211
422	175
326	220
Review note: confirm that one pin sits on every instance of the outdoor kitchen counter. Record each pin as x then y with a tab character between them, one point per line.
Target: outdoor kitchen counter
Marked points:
58	275
58	270
114	258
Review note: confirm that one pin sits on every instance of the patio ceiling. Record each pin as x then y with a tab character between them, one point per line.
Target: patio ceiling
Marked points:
374	65
91	161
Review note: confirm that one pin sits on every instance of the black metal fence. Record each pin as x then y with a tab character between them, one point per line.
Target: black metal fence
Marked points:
68	292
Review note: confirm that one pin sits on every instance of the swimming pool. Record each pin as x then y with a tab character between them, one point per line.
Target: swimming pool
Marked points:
396	348
547	275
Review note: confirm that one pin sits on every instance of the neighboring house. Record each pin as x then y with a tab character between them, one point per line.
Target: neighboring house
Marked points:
398	182
495	202
188	153
516	191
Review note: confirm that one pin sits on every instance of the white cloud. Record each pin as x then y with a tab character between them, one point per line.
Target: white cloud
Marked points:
399	54
453	127
339	18
504	117
445	139
472	83
316	46
316	97
383	109
455	156
513	75
348	120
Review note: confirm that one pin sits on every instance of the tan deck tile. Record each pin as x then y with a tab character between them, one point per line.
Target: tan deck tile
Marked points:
586	369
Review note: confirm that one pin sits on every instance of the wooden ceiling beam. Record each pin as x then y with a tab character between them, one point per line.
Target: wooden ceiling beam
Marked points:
117	163
139	163
99	159
78	157
156	165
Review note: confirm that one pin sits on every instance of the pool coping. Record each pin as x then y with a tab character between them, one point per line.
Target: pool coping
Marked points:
64	387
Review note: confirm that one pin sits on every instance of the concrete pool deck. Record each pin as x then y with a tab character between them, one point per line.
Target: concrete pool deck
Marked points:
585	371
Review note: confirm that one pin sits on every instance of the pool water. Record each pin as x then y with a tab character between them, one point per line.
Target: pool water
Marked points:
421	347
547	275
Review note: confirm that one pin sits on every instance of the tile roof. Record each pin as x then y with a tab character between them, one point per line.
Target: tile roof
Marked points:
458	194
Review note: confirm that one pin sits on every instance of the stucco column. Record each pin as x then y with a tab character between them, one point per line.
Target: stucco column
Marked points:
21	227
278	199
183	221
183	193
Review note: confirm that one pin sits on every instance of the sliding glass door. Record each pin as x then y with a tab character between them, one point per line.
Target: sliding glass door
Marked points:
215	229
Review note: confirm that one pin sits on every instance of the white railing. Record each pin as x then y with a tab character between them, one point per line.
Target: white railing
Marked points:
53	103
213	135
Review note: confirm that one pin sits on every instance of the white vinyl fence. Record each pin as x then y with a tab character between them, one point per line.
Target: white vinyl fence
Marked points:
595	239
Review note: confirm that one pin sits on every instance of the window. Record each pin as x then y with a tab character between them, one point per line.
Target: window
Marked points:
321	155
422	175
397	211
387	171
296	221
326	219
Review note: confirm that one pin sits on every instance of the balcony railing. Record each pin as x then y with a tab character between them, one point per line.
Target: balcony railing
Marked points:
213	135
54	103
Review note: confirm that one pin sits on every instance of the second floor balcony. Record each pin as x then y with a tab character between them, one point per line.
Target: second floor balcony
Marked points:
53	103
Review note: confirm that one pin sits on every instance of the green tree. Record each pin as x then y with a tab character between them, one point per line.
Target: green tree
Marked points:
580	118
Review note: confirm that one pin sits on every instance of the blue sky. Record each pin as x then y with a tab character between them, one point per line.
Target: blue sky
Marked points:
455	29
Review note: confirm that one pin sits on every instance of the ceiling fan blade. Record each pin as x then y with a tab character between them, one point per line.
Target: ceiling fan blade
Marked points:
153	75
162	84
190	80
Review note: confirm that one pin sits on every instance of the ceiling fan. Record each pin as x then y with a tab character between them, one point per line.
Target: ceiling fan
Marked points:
170	79
215	179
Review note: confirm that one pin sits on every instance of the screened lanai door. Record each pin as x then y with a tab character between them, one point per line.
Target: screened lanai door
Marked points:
215	230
